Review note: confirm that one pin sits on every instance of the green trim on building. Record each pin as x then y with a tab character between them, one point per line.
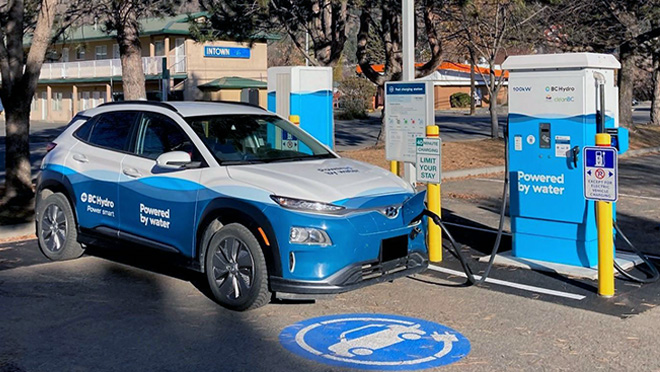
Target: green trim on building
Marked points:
232	82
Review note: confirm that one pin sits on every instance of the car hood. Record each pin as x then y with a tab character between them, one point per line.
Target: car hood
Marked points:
327	180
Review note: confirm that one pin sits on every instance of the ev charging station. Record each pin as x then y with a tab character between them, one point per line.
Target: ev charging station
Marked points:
557	104
306	92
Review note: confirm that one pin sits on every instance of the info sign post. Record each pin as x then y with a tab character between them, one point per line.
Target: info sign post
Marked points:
408	110
428	162
600	174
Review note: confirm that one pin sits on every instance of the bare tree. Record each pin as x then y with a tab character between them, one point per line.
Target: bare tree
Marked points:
488	28
382	20
323	20
123	17
20	75
607	26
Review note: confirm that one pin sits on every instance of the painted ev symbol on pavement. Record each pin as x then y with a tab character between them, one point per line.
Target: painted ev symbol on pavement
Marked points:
375	341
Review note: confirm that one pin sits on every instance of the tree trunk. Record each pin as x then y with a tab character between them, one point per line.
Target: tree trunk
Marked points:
655	100
473	104
492	106
130	49
626	82
18	181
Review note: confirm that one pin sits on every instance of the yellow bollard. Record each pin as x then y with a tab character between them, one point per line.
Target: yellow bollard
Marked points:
605	237
295	119
394	167
435	206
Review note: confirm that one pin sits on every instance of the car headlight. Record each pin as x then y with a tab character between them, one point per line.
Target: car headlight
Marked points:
308	235
306	205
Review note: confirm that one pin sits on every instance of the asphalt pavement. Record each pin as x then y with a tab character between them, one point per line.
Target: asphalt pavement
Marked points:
122	310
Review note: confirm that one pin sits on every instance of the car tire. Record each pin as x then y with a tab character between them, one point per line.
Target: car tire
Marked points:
56	228
236	269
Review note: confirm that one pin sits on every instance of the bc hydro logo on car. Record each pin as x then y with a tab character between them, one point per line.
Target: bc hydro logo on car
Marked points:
375	341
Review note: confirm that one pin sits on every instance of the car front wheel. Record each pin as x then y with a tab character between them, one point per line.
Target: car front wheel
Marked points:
236	269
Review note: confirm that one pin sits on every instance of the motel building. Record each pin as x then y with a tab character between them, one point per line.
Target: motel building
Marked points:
450	78
84	70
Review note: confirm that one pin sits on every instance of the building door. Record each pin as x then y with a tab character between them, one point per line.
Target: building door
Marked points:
96	100
85	100
44	105
180	55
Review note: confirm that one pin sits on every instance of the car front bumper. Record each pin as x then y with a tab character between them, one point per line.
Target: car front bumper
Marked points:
355	276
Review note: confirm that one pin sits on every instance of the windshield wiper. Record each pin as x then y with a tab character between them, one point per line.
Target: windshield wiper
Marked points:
299	158
240	162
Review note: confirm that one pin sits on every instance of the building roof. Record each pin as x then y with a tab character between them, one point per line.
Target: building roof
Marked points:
452	66
175	25
232	82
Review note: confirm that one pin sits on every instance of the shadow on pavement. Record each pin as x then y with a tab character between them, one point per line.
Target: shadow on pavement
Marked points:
90	314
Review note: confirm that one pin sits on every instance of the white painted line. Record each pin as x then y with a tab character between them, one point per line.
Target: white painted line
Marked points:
490	180
639	197
511	284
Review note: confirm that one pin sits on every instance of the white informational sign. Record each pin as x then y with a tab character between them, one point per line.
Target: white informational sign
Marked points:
429	160
601	174
408	110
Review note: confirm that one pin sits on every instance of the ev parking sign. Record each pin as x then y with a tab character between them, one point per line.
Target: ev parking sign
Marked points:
601	175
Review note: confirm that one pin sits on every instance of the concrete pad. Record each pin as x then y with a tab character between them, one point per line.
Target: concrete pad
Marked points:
626	260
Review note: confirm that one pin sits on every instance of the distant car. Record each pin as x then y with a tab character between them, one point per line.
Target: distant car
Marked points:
232	191
387	335
635	102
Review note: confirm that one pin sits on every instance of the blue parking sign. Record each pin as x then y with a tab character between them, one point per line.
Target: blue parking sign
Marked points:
375	341
601	180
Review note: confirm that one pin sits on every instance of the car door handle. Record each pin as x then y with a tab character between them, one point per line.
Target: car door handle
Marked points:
132	172
80	158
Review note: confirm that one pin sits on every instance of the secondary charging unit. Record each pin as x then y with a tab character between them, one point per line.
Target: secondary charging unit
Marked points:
557	104
306	92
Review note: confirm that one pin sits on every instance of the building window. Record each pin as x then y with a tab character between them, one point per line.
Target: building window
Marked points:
80	53
115	51
101	52
34	106
57	101
159	48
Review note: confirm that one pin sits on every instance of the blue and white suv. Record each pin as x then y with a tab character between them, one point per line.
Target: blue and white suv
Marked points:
216	184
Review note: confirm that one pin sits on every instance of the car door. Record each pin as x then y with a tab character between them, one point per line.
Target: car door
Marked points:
157	204
93	166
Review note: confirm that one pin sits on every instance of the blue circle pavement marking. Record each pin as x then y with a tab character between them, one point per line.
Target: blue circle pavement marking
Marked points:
375	341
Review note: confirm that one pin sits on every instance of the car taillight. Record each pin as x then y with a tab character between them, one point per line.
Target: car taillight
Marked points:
50	146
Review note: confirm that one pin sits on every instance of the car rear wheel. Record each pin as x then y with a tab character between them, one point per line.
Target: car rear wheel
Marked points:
236	269
56	229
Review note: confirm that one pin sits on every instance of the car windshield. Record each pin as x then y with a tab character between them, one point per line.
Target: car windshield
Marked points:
249	139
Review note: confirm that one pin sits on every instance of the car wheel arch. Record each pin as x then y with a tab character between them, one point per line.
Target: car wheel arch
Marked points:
224	211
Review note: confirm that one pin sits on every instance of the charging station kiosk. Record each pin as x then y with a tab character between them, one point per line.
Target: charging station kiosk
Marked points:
557	104
306	92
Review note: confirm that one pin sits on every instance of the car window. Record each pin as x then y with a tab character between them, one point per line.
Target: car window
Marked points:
84	130
113	129
159	134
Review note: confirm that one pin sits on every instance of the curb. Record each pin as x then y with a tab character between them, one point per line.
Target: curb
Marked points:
15	231
471	172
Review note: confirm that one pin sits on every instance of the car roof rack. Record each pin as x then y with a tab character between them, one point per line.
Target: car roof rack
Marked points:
141	102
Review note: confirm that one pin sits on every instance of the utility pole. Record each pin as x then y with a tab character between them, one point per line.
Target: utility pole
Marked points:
408	73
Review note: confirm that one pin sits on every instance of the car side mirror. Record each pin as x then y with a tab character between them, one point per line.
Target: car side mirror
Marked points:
173	160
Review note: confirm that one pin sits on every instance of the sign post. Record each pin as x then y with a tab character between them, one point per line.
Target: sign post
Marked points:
601	185
429	170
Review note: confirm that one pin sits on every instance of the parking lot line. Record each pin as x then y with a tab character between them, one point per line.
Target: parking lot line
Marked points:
524	287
